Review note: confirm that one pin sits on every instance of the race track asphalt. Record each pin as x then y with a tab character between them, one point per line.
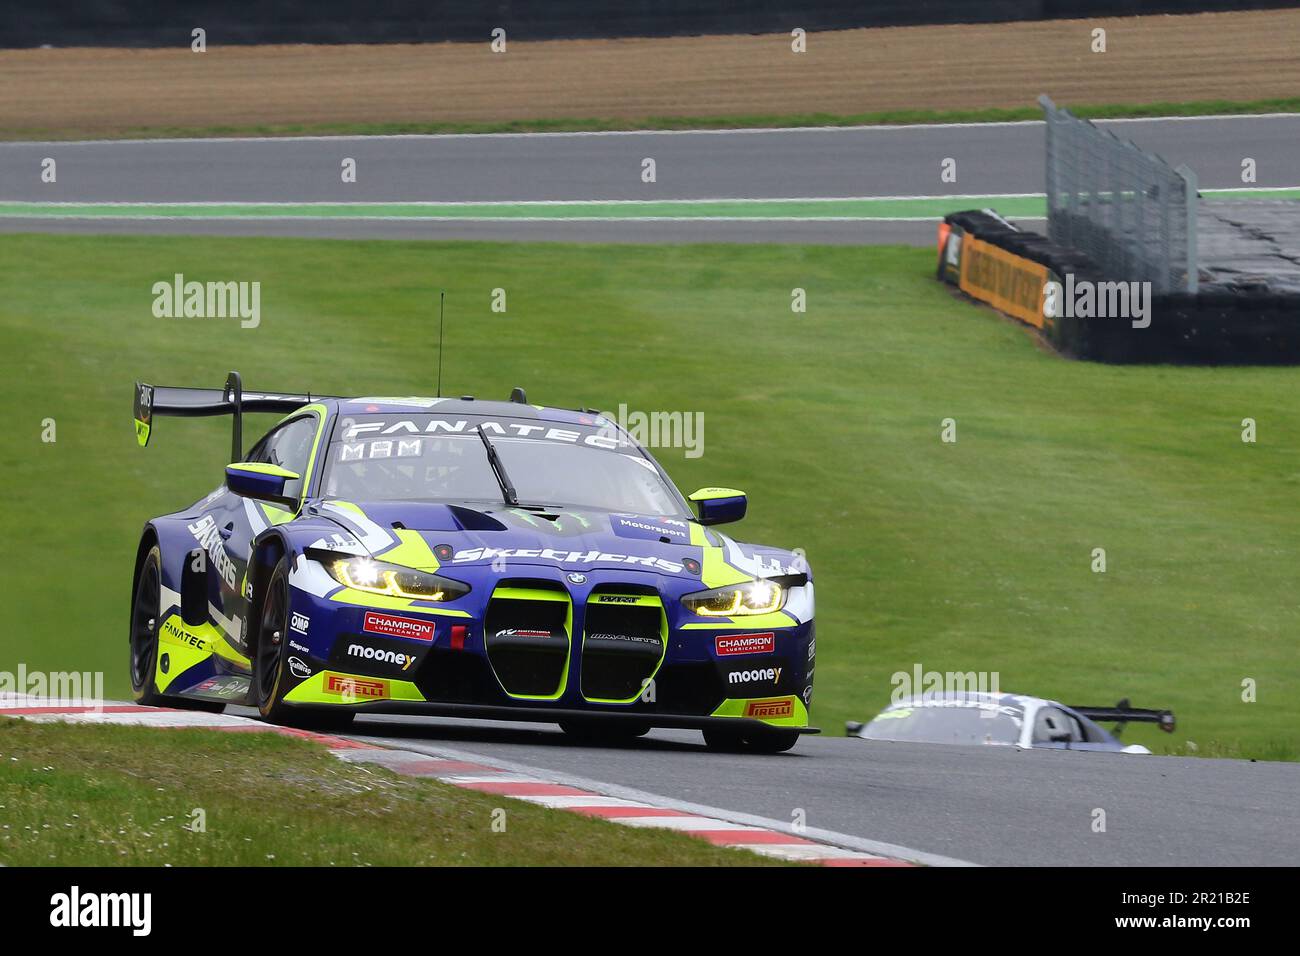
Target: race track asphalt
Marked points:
846	162
861	161
984	805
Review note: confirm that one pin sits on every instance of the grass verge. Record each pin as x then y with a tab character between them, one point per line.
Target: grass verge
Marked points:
127	796
651	123
971	556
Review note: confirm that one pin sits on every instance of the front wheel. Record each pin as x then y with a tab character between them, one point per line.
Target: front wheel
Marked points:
772	741
725	741
145	613
603	733
750	741
269	648
144	629
269	656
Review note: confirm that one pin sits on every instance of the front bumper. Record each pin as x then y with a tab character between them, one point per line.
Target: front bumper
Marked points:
554	715
519	651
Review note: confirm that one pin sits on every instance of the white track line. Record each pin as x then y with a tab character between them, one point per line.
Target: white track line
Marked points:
462	780
879	127
592	800
549	203
801	853
271	204
486	219
687	824
546	203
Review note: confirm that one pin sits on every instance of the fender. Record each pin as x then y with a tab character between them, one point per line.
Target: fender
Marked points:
268	548
275	542
174	546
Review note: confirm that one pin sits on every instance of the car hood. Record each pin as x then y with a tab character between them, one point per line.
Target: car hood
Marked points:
569	538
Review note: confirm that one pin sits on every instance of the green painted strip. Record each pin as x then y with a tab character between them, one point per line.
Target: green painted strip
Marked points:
861	208
926	208
1291	192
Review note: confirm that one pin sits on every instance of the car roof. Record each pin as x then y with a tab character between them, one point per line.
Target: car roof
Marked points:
1016	702
465	405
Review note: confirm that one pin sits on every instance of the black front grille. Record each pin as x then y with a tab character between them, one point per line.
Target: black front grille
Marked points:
456	677
622	646
527	644
689	689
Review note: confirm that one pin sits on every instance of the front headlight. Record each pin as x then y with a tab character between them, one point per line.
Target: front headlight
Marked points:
737	600
378	577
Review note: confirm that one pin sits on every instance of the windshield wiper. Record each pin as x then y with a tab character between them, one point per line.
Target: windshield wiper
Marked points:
499	470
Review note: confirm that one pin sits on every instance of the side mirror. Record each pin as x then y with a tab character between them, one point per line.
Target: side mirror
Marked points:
263	482
719	505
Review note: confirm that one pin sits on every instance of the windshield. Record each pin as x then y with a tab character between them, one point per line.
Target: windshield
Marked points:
968	724
426	458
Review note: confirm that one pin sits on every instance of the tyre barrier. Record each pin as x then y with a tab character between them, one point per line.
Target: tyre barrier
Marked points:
994	262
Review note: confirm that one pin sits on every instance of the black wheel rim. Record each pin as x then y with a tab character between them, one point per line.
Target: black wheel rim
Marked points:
275	620
144	625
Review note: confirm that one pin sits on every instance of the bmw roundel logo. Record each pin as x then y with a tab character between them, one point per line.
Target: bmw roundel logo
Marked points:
577	577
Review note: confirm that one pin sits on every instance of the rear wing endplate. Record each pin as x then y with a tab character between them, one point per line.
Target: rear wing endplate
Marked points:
151	400
1122	714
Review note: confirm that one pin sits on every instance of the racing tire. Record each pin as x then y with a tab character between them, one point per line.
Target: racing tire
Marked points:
145	611
771	741
724	741
604	732
270	653
756	742
325	721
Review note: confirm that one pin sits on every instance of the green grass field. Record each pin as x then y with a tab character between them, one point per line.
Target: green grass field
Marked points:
967	556
897	117
126	796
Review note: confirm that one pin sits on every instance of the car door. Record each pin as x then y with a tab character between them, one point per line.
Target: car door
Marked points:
289	445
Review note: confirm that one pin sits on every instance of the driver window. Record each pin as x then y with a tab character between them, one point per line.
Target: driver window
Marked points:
1092	734
289	446
1052	724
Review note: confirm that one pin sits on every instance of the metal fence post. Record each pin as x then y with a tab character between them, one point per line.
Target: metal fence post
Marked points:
1193	261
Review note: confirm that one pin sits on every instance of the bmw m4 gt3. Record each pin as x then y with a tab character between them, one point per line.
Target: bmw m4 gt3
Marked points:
467	558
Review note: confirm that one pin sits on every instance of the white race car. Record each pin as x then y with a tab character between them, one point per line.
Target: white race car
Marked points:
1007	720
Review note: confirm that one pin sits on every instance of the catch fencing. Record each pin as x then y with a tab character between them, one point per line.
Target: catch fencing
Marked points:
1128	210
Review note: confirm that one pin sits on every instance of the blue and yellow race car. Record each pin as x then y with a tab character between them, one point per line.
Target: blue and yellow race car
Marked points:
458	557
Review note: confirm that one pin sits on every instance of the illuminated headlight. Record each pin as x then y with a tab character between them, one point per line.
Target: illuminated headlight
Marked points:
737	600
378	577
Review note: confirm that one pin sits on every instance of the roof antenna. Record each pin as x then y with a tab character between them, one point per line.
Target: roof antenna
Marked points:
442	305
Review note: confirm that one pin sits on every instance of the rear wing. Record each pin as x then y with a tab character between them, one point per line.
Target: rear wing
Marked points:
1122	714
151	400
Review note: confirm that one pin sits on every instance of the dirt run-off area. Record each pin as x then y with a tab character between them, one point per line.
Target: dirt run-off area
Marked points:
63	93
